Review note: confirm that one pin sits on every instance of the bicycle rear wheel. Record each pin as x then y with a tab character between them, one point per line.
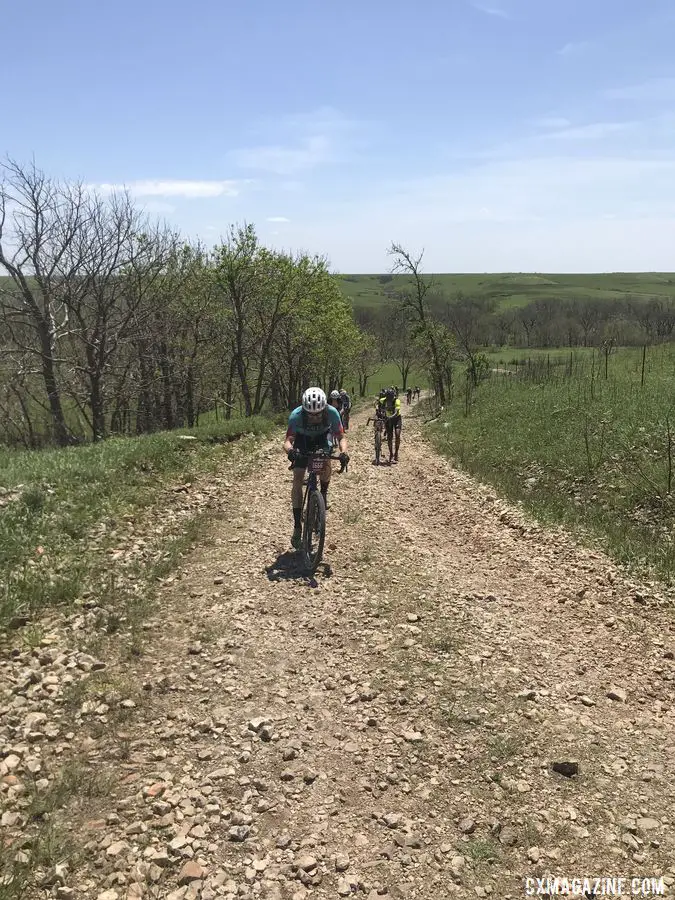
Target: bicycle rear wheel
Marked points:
314	532
378	446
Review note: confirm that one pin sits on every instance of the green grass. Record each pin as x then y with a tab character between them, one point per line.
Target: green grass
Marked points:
578	448
482	850
517	289
53	499
46	841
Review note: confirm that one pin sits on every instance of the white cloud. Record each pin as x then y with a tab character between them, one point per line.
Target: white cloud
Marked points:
174	188
574	48
277	219
158	206
533	214
657	89
490	10
300	143
552	122
291	187
282	160
593	131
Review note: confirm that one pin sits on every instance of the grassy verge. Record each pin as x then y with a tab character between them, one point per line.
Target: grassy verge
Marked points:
52	500
582	441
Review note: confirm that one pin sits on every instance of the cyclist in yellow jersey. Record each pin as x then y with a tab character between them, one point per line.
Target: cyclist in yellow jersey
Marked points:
391	405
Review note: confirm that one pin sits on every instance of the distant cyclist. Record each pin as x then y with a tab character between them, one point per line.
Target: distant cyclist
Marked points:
310	427
335	400
392	411
408	396
346	407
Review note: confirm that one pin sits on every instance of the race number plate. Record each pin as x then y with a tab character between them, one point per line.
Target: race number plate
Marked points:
316	465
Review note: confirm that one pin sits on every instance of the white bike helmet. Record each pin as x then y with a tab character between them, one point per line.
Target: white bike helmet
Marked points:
335	395
314	400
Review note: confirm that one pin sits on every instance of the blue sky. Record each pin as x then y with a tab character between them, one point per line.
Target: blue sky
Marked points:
497	135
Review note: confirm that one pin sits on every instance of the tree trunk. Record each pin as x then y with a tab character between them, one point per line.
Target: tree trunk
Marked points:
190	397
61	433
404	369
97	408
32	443
243	379
167	399
229	388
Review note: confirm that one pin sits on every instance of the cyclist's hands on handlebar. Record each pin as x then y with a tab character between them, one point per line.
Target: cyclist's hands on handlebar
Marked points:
343	458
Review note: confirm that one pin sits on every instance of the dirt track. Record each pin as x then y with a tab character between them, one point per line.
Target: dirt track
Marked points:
389	729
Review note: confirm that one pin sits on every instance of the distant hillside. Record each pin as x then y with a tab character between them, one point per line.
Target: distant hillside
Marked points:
517	289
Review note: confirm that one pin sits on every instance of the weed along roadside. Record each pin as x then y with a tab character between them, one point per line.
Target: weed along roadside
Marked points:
77	520
581	439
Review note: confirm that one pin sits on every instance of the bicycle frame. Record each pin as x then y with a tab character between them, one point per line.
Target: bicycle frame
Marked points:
313	474
315	464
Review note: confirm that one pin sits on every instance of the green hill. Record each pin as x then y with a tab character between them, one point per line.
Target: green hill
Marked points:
517	289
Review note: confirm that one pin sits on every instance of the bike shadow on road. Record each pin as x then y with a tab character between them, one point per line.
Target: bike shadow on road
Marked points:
288	567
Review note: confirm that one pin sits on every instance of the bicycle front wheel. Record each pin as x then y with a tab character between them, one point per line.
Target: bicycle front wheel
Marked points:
314	532
378	446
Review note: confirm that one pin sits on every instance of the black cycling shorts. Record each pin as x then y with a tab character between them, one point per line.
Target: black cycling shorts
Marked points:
305	444
394	423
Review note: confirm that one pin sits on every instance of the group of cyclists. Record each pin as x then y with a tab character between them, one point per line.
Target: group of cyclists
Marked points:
320	423
342	402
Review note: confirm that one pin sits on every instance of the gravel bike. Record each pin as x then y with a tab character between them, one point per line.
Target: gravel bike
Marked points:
378	429
314	510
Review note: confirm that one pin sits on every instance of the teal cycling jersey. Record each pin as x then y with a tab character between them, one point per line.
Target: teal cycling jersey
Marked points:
300	425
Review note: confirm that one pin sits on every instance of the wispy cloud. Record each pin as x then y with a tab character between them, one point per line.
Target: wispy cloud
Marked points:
594	131
158	207
657	89
174	188
575	48
281	160
309	140
556	213
552	122
490	10
277	219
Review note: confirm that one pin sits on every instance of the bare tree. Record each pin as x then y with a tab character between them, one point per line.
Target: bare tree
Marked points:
417	302
588	314
118	257
367	362
467	319
528	320
44	218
